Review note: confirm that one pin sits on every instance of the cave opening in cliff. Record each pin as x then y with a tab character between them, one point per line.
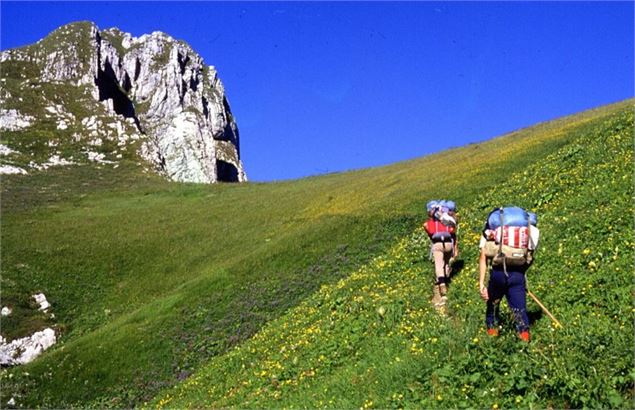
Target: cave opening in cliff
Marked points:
226	172
137	69
183	60
205	109
109	88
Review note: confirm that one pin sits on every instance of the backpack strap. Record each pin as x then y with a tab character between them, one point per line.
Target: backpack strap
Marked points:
530	240
443	237
500	243
501	219
530	244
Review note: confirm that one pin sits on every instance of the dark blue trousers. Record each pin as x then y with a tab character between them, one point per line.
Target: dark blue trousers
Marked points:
513	287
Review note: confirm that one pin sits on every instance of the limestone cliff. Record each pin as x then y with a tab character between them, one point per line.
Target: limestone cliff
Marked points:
81	94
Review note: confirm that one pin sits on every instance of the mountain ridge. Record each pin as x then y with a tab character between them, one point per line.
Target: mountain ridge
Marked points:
107	90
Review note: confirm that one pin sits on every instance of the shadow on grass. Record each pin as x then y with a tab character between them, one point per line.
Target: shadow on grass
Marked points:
534	315
457	267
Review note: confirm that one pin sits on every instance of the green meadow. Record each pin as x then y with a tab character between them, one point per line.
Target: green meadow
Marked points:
316	292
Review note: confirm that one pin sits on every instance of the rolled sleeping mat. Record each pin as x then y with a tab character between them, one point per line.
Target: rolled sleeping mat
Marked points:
432	204
512	216
446	205
450	205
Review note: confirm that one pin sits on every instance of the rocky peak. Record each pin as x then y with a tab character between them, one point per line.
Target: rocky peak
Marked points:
155	89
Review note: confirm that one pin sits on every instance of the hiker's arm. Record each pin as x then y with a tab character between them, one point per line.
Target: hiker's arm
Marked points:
481	277
531	258
455	253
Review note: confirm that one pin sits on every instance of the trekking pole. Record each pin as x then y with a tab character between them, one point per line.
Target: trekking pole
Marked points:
543	307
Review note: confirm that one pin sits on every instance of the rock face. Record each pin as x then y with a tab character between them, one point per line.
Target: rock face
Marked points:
109	91
26	349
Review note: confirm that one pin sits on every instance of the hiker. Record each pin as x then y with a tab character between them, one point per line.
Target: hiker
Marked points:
441	228
509	240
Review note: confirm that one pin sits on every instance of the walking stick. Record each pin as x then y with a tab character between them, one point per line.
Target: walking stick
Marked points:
543	308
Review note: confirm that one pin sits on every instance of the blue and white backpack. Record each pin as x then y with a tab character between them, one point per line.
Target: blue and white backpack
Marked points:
508	235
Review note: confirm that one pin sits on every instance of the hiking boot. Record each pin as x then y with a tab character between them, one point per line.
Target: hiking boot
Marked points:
492	331
443	290
524	336
437	299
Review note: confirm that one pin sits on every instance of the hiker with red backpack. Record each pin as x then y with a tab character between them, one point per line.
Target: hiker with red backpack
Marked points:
508	243
441	228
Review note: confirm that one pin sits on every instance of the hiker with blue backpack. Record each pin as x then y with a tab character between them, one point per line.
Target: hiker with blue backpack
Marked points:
508	243
441	228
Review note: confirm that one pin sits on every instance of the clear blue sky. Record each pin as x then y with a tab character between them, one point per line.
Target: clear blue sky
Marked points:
322	87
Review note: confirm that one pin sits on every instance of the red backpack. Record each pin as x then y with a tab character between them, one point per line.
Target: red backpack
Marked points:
438	232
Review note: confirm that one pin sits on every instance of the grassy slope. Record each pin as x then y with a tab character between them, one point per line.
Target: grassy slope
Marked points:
373	340
149	279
